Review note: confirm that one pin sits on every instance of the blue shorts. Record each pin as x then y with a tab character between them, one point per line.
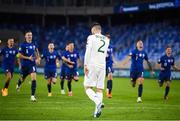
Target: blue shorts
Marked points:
26	70
8	68
109	69
71	73
63	73
163	76
136	74
50	74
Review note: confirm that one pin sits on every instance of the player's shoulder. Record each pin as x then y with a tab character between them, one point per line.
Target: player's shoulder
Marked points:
91	37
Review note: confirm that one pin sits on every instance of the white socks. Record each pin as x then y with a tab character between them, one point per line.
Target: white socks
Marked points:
92	95
100	96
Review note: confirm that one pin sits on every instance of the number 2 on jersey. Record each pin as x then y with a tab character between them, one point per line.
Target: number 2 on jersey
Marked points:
100	48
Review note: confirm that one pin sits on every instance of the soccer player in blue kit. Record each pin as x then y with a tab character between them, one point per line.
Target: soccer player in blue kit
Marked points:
51	58
165	63
71	71
29	57
109	69
137	57
9	55
64	67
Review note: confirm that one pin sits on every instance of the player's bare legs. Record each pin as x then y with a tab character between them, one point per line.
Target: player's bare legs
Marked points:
96	98
168	83
69	87
33	86
109	85
49	87
8	79
140	88
20	81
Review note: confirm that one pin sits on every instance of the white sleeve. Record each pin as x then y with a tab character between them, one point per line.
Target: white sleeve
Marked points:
88	51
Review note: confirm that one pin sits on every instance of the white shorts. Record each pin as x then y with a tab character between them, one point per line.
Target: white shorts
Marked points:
95	77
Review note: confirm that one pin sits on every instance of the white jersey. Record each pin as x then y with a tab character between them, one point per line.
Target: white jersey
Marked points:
96	50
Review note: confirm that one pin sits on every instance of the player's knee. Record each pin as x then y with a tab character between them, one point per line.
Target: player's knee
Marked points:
33	76
168	83
76	78
110	77
140	81
54	80
99	90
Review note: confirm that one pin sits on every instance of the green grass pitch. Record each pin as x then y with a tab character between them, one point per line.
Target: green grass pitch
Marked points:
122	106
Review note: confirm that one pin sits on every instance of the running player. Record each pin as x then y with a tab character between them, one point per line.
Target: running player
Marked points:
51	58
165	63
64	67
9	55
137	57
29	56
71	71
109	69
95	65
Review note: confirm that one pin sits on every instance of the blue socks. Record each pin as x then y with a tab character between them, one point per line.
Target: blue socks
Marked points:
49	87
69	85
33	87
166	91
109	86
140	90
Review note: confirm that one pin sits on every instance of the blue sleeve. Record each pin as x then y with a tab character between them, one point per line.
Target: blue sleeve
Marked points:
58	56
2	51
78	55
16	51
43	55
160	61
173	61
21	49
146	57
131	53
64	54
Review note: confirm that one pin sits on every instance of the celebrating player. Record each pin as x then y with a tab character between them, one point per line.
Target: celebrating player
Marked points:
137	57
165	63
29	56
94	66
52	58
9	55
71	71
109	69
64	67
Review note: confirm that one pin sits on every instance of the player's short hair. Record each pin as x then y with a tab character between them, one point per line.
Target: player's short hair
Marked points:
168	46
69	42
96	24
108	35
27	31
138	40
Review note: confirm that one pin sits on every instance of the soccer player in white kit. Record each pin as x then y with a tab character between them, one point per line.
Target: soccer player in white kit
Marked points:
95	66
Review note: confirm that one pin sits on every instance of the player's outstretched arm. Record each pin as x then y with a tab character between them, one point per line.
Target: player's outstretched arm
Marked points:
38	58
127	59
21	56
67	61
79	63
175	68
150	67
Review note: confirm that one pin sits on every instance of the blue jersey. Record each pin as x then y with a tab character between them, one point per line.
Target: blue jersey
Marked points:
109	60
64	64
9	56
166	63
50	59
72	56
137	58
27	49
